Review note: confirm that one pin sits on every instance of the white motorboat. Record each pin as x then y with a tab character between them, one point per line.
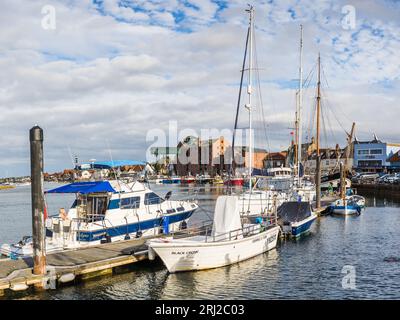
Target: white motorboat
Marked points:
107	211
229	241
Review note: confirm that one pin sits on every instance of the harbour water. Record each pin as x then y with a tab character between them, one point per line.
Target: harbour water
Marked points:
313	267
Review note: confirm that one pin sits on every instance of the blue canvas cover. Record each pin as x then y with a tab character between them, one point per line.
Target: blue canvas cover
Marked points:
84	187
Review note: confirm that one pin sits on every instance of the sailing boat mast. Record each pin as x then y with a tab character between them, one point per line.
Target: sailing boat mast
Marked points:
349	146
318	167
296	134
232	171
300	101
249	91
318	104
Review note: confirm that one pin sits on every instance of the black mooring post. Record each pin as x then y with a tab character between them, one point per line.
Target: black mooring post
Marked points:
39	246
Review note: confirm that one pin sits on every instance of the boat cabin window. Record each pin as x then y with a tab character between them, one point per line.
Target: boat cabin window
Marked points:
152	198
130	203
92	207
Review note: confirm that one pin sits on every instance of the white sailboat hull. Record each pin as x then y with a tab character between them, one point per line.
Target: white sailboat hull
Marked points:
345	208
345	211
196	254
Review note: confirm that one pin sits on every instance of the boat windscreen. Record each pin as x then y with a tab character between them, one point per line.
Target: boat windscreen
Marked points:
294	211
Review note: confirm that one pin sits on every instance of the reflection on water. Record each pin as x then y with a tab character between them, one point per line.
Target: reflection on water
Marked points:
224	283
310	268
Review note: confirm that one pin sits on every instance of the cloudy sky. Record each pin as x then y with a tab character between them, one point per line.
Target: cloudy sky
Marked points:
112	70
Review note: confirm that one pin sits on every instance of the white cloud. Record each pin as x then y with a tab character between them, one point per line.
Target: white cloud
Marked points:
112	74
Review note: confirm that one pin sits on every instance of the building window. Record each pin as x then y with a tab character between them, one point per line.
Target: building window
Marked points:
370	163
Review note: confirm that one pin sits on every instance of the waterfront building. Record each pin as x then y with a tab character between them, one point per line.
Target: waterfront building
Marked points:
330	160
394	160
275	159
195	156
213	157
373	155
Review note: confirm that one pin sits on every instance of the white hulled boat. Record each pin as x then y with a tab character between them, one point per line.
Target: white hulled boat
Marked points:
107	211
345	207
229	242
349	203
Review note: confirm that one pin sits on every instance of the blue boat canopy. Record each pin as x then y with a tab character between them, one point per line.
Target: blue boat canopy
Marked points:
84	188
110	164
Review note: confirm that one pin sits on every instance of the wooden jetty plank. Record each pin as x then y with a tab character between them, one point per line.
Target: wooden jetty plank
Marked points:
7	266
83	262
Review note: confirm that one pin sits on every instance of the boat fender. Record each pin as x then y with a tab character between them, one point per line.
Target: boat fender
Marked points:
19	286
152	254
183	225
13	256
68	277
138	234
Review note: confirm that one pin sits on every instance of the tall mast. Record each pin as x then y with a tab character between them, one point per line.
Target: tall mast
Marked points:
232	171
300	102
249	91
318	167
348	149
296	134
318	104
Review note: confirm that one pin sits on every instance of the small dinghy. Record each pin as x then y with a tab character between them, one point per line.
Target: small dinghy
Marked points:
348	204
229	241
346	207
295	218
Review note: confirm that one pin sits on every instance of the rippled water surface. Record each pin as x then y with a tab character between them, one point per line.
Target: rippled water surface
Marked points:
310	268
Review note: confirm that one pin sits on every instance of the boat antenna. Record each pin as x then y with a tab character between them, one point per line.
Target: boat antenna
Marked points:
71	156
112	166
74	164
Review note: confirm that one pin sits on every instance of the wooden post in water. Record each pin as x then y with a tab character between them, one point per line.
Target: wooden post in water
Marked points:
38	235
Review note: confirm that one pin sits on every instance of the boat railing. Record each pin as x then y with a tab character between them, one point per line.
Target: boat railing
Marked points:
237	233
201	228
205	229
78	221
